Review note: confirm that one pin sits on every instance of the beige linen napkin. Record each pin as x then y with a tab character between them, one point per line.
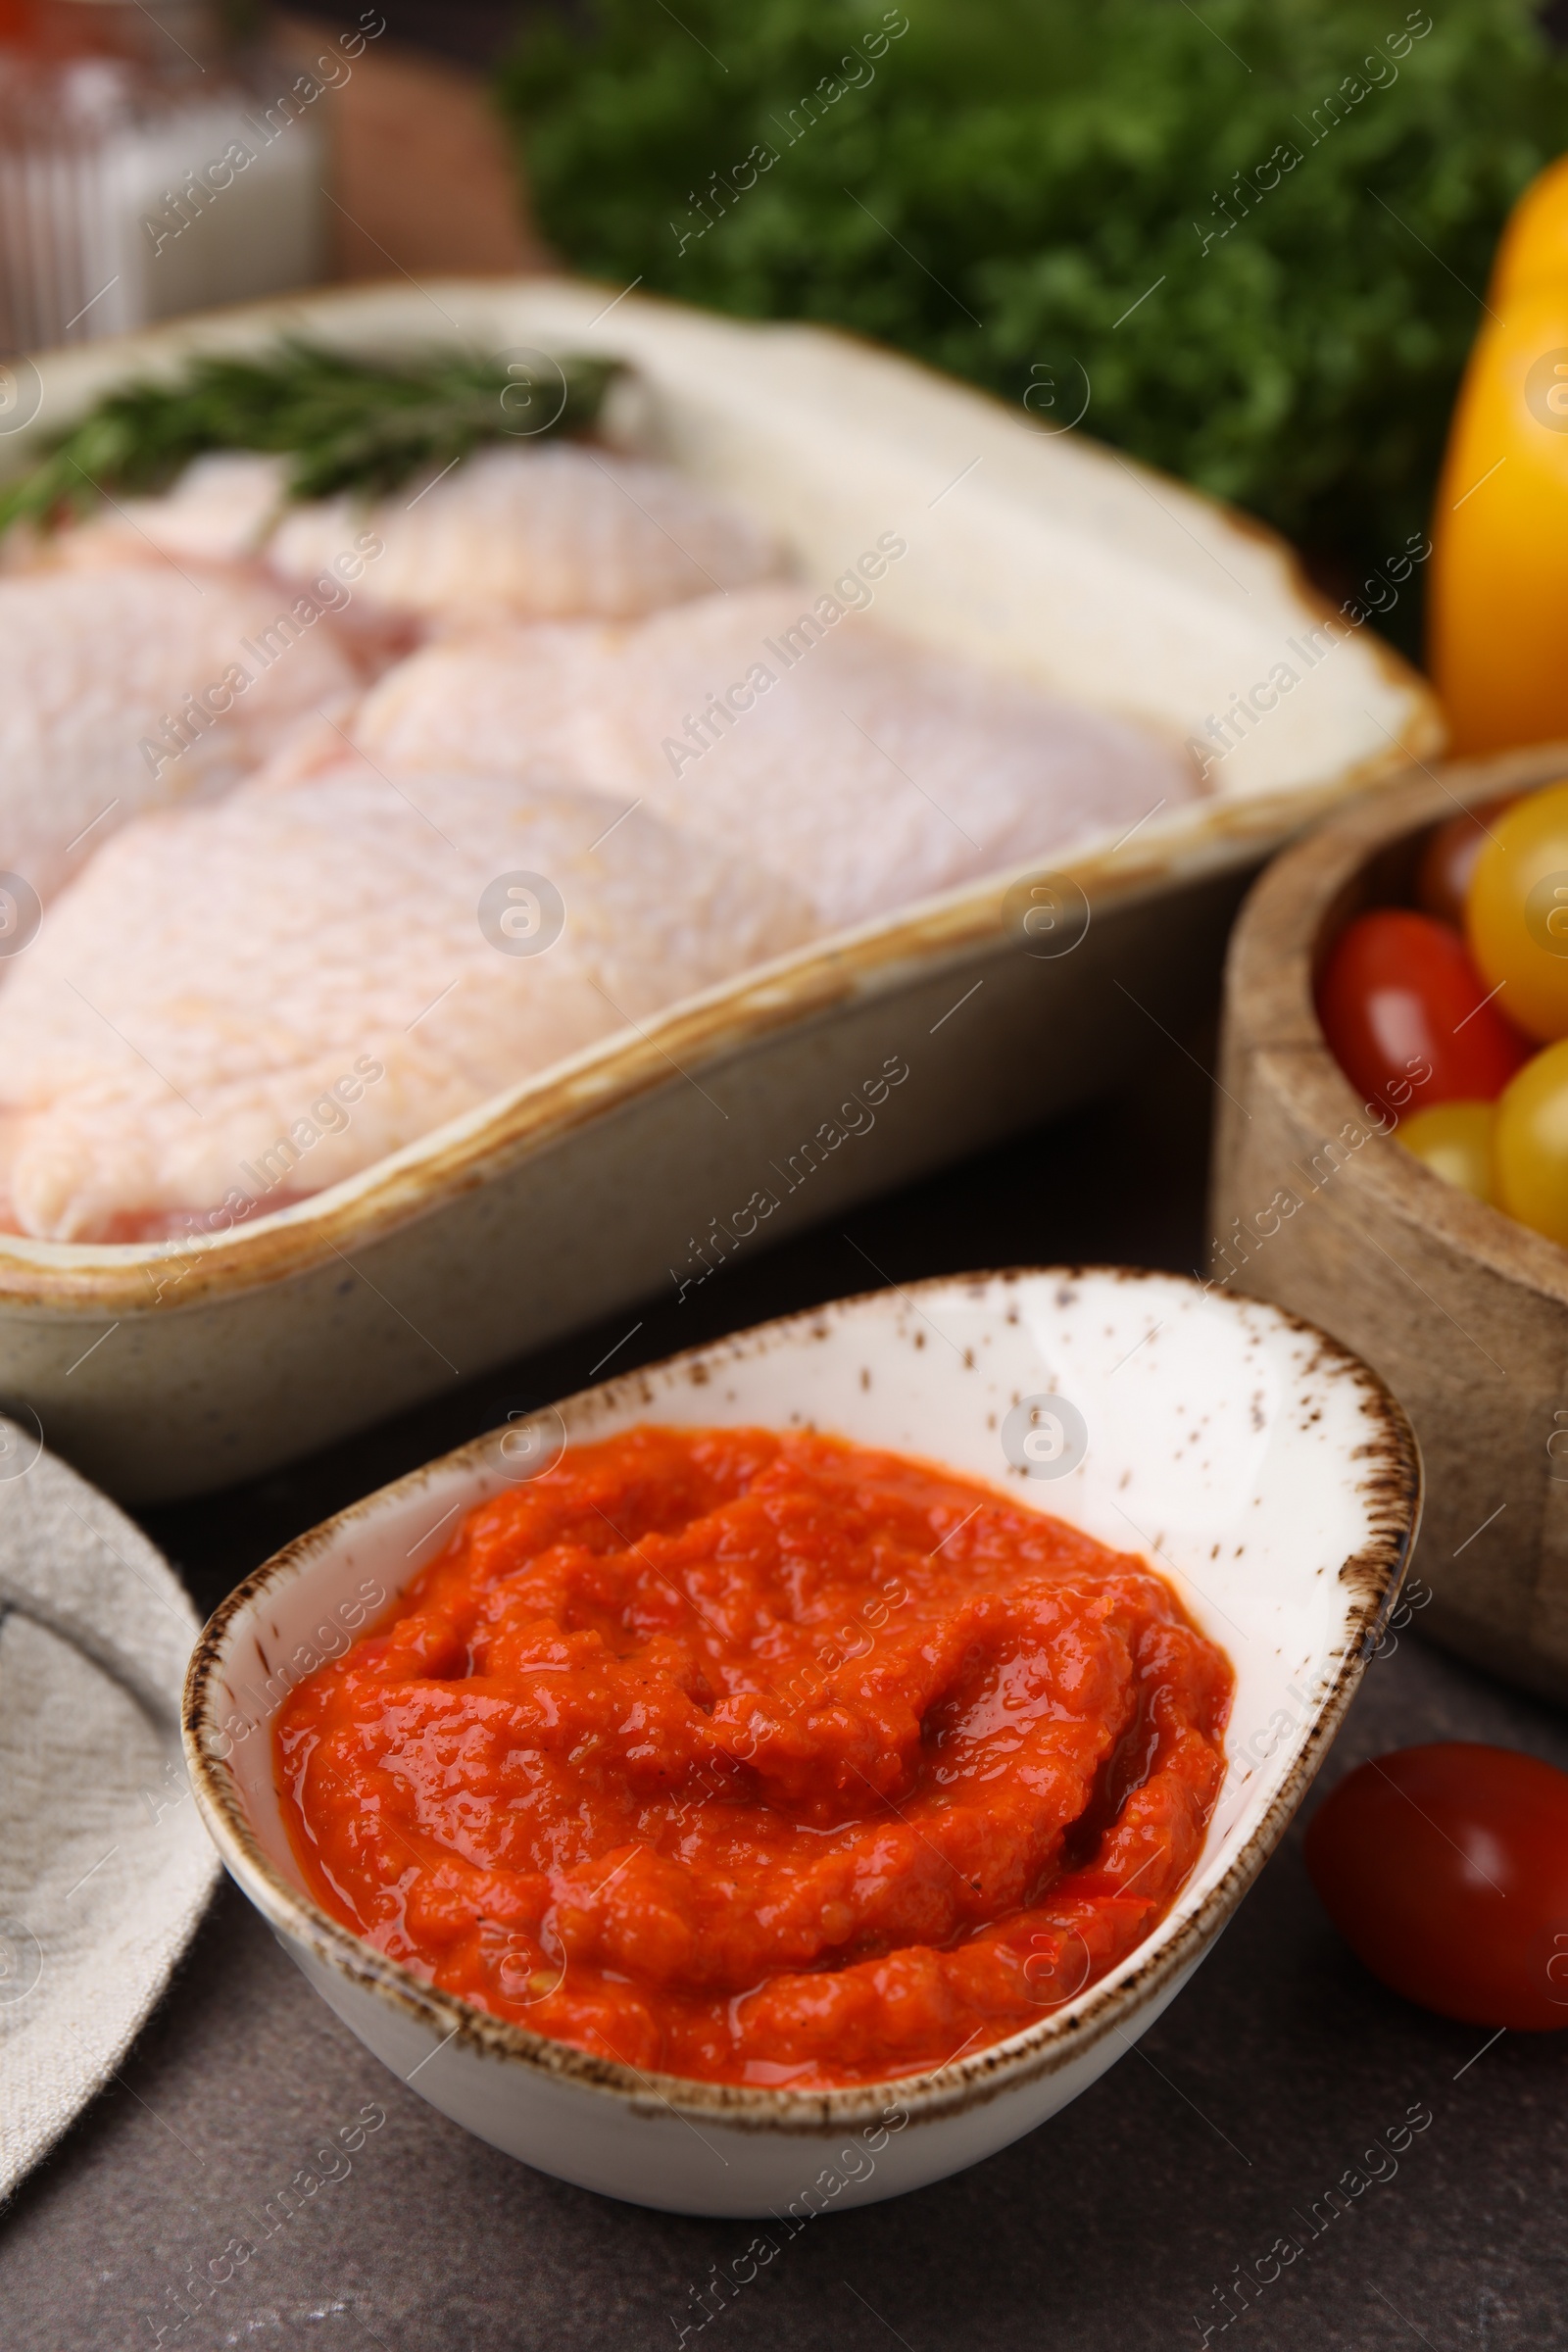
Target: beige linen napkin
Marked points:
105	1868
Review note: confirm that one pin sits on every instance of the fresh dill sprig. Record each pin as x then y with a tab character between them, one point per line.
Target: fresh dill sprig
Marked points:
346	424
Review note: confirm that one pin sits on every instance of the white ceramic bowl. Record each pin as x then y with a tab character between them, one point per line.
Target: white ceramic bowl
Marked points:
1261	1468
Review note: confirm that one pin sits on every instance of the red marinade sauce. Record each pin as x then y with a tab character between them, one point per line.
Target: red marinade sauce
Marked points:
760	1759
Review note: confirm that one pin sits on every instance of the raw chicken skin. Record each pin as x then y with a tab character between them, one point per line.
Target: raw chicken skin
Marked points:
102	673
170	1040
537	531
223	510
540	532
869	770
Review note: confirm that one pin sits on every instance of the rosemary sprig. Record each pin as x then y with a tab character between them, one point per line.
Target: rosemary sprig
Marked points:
347	424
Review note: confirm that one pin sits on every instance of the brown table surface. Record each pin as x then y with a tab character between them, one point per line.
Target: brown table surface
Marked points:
1109	2228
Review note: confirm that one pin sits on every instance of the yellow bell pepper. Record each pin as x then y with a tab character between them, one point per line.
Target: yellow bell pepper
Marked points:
1498	600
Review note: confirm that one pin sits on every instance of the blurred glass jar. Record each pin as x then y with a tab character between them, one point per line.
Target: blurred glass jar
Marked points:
148	166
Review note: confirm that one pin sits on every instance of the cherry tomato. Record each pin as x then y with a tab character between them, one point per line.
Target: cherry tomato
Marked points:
1516	913
1530	1145
1448	860
1402	1007
1455	1140
1446	1870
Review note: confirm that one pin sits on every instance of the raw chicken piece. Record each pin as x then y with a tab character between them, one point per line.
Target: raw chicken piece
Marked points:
104	676
221	514
535	532
868	769
539	530
247	1002
220	511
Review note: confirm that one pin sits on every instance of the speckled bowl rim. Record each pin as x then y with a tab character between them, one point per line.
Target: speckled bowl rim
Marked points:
1388	1481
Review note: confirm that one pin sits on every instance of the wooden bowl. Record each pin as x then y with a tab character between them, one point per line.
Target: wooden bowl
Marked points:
1462	1311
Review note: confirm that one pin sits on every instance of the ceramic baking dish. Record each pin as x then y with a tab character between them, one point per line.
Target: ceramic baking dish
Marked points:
168	1369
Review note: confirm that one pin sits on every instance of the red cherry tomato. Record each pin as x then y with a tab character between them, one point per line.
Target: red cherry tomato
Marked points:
1399	996
1446	1870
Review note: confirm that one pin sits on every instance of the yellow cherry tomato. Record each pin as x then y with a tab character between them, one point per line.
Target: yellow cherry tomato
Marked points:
1530	1145
1455	1140
1516	915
